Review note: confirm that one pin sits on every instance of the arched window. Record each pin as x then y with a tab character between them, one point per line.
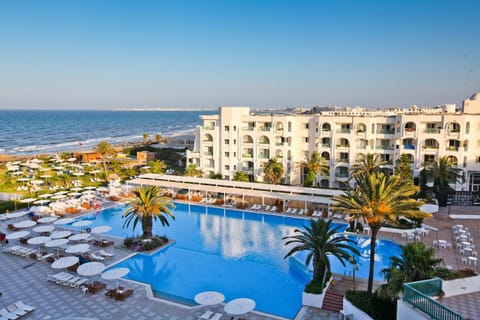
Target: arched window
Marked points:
263	140
208	138
247	139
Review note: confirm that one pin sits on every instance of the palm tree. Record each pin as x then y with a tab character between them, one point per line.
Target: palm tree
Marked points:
193	171
315	165
157	166
273	171
403	167
160	139
241	176
148	204
416	262
321	239
368	164
377	199
145	137
443	173
105	149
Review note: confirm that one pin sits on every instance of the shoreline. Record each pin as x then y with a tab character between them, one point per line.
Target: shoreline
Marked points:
5	157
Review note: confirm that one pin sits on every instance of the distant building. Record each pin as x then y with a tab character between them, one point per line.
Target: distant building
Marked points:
146	156
238	140
87	155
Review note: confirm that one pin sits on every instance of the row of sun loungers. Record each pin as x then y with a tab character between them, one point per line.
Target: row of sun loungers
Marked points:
15	311
19	251
209	315
67	280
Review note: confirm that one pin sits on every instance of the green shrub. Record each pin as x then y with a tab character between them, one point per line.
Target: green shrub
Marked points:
376	307
316	287
10	206
139	244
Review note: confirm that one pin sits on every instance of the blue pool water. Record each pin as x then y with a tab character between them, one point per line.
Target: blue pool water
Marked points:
237	253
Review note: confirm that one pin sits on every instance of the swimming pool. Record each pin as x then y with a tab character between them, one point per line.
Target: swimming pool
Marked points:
237	253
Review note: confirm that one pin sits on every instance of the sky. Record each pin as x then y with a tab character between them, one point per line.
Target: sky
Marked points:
258	53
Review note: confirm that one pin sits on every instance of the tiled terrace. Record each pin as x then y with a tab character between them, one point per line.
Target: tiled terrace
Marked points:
24	279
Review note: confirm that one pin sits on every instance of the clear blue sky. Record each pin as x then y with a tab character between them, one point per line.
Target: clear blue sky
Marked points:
146	53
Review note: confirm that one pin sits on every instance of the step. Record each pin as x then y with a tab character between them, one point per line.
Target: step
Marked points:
332	301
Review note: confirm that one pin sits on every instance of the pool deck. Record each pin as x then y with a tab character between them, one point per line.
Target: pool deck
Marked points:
25	279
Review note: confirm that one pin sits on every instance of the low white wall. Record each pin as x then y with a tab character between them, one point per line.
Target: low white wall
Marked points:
461	286
358	314
406	312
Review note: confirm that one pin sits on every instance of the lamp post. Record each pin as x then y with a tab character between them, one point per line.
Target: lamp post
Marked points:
355	266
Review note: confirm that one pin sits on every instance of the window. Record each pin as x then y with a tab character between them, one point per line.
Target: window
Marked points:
234	141
227	141
227	154
227	167
226	128
289	126
234	154
305	139
234	128
235	167
305	125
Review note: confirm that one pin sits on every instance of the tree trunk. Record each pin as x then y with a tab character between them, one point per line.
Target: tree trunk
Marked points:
371	272
147	227
104	163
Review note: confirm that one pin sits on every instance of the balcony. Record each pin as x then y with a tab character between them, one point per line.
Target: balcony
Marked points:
265	129
409	147
344	160
279	144
264	156
345	146
207	141
208	127
249	128
247	155
208	154
385	131
325	145
384	147
432	130
362	147
341	174
452	148
344	130
430	147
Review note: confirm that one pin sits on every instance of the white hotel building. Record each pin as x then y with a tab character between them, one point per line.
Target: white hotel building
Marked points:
238	140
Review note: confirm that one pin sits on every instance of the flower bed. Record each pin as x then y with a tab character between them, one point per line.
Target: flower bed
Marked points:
140	244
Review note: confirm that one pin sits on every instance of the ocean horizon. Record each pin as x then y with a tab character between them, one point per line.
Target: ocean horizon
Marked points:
28	132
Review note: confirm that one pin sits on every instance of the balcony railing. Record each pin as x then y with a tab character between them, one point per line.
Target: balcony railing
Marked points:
454	130
342	160
385	131
247	155
430	147
418	295
208	127
264	129
248	128
452	148
384	147
208	153
343	130
343	146
279	144
325	145
341	174
409	147
409	130
432	130
264	155
207	141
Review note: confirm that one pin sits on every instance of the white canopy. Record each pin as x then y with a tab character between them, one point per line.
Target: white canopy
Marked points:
82	223
101	229
78	248
60	234
79	236
209	298
239	306
38	240
64	221
115	273
24	224
56	243
47	219
47	228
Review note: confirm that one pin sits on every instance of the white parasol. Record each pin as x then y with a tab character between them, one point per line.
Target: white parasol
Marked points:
60	234
90	269
64	221
239	306
17	235
59	196
101	229
78	248
65	262
82	223
209	298
41	202
17	214
38	240
47	219
60	192
41	229
56	243
76	189
24	224
90	188
115	274
45	195
79	237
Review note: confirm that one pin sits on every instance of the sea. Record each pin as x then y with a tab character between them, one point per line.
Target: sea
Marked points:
28	132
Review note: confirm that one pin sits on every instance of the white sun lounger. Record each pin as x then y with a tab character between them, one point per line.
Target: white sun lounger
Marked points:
8	315
24	306
105	254
15	310
217	316
206	315
98	258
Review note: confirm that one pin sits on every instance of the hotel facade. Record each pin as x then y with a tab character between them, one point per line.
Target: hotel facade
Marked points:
236	139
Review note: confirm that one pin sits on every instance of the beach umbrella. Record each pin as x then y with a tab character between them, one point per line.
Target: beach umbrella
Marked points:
78	248
17	214
82	223
59	168
47	219
59	196
17	173
209	298
41	202
23	179
64	221
36	181
239	306
115	274
37	241
78	174
79	237
17	235
60	193
72	159
90	269
45	195
76	189
13	168
101	229
44	228
60	234
56	243
74	194
28	201
24	224
65	262
44	169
